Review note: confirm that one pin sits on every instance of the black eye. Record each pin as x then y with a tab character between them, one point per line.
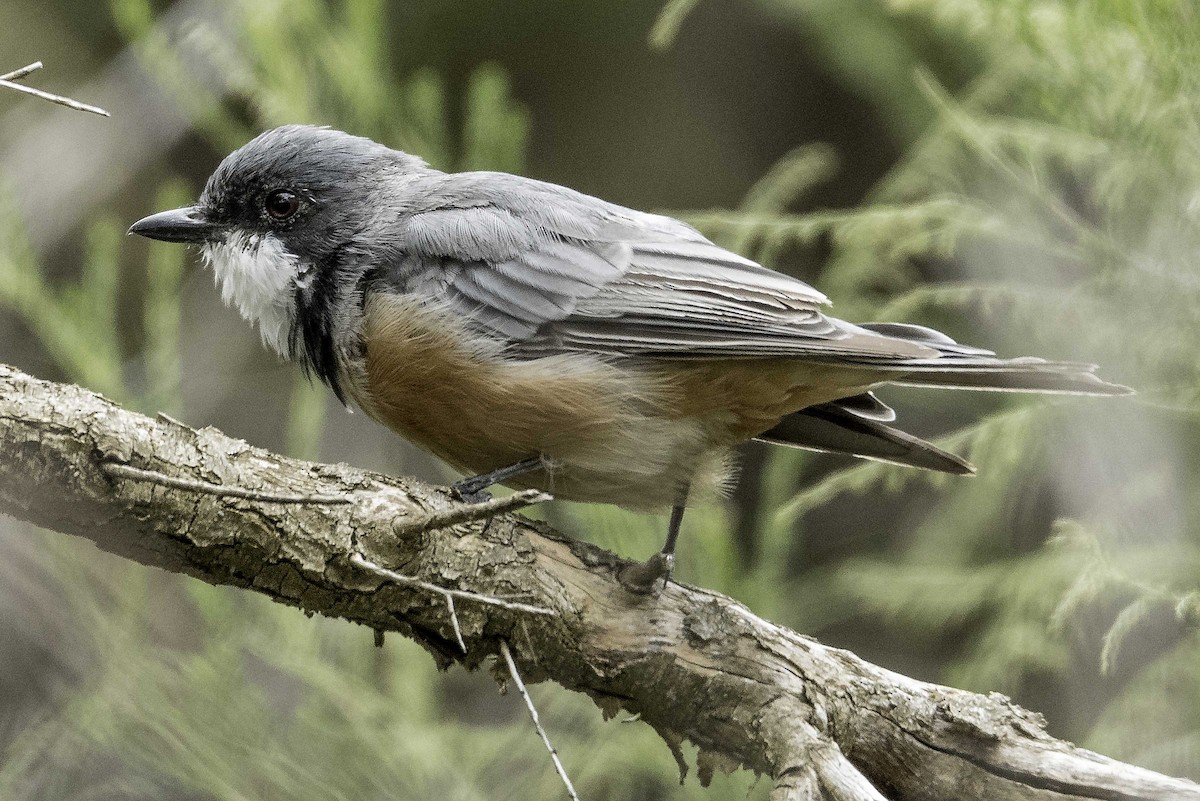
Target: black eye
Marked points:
282	204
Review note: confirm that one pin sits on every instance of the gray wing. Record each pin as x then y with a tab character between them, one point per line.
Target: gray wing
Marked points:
549	270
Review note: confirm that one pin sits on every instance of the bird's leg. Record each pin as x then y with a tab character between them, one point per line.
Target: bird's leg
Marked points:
473	489
642	577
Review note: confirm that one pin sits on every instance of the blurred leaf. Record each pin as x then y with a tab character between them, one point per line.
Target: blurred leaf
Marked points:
306	418
666	27
495	128
164	278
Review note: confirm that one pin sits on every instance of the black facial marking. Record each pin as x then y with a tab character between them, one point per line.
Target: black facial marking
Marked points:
311	339
369	281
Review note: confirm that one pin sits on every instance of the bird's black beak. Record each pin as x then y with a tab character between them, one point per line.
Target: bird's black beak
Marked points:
177	225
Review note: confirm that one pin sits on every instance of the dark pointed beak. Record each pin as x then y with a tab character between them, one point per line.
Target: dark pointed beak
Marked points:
178	225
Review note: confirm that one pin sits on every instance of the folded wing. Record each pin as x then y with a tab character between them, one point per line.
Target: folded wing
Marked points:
548	270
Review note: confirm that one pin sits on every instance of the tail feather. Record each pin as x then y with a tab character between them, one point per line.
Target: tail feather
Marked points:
966	367
839	427
854	425
1011	375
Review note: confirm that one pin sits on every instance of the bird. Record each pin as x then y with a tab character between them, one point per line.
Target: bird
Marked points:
537	337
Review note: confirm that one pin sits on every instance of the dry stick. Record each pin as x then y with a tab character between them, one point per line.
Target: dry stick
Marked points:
8	82
17	75
467	513
537	724
454	622
448	594
195	485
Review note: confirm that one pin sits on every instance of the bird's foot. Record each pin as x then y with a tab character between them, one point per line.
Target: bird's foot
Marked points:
471	490
642	578
474	488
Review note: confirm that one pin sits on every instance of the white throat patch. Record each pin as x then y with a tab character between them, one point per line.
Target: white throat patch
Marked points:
258	276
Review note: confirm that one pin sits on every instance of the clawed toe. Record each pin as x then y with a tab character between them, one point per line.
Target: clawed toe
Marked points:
474	488
643	578
468	491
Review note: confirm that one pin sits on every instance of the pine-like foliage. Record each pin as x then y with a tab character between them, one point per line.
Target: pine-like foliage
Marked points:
1048	206
1055	201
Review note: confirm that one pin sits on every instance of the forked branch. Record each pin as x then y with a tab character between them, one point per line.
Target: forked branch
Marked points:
9	81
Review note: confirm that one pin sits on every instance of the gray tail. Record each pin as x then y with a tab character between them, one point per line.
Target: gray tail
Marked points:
1010	375
855	426
965	367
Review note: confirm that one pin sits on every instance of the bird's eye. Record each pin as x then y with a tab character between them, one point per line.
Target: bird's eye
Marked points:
282	204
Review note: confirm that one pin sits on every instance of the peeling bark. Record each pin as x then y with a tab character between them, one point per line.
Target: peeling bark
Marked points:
694	664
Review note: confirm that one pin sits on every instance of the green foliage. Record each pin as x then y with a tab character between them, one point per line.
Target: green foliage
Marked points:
161	314
666	27
1055	195
75	323
1159	701
306	418
287	61
1049	188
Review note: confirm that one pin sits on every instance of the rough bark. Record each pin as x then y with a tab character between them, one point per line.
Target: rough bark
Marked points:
694	664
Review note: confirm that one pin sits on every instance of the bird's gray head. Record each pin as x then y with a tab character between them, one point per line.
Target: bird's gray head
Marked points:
282	221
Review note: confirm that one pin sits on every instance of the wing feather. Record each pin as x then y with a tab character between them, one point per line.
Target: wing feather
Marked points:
515	298
548	270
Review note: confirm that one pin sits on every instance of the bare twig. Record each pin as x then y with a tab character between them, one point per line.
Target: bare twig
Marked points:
454	622
8	81
537	724
153	477
17	75
449	595
469	512
490	600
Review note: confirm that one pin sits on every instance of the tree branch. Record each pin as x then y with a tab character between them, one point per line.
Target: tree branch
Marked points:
9	81
693	664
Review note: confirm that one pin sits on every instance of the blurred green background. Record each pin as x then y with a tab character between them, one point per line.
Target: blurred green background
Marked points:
1024	174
